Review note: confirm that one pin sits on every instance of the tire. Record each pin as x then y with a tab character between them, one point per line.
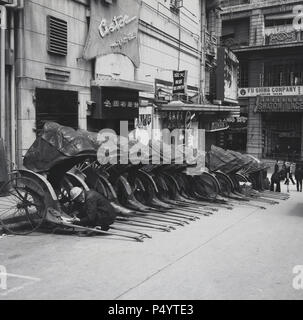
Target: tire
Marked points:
22	210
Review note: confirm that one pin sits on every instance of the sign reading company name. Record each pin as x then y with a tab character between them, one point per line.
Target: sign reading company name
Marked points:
114	29
271	91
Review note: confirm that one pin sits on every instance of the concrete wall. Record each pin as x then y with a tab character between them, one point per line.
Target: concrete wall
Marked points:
159	41
33	61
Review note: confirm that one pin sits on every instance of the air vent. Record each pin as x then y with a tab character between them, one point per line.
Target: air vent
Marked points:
57	36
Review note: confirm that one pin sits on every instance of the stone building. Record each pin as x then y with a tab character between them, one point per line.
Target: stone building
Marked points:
91	63
269	45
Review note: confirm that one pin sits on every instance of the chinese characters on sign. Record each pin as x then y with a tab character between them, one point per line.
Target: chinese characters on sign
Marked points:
120	104
180	82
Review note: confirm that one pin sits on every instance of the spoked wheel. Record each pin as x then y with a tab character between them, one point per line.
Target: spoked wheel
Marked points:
22	210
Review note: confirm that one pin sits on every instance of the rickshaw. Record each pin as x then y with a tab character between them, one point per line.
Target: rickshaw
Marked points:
38	195
149	196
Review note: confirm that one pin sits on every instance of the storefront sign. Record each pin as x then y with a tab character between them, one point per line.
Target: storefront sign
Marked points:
237	120
110	103
271	91
180	82
115	104
218	126
118	22
114	29
279	104
227	76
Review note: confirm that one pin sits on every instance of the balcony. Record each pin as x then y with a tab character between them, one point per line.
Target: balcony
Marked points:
282	35
233	43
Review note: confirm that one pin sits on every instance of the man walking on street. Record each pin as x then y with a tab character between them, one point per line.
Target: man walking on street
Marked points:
289	175
299	178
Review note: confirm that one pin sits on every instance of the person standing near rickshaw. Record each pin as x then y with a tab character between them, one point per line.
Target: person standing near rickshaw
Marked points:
276	179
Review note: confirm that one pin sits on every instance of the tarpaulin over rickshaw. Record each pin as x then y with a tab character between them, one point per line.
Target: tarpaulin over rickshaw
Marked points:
230	161
58	145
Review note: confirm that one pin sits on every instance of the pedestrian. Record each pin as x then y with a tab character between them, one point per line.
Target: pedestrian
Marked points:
92	209
288	175
276	179
299	177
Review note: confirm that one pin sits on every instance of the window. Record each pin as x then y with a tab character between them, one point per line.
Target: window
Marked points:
243	75
175	5
283	74
57	36
235	33
282	19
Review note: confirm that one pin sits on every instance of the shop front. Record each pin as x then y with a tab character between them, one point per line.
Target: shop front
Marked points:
282	135
114	101
281	118
208	123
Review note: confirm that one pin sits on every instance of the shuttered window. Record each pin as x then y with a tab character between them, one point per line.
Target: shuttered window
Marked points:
57	36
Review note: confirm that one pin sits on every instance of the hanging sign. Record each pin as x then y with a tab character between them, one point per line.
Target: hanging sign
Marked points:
180	82
114	29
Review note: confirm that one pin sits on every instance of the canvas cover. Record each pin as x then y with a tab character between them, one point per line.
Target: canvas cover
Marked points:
229	161
57	145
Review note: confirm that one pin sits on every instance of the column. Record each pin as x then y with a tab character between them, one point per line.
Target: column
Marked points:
254	130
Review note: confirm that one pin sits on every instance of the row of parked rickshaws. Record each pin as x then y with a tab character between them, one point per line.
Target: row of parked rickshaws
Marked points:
145	196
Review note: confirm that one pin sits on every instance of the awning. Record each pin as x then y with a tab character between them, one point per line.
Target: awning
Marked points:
126	84
180	106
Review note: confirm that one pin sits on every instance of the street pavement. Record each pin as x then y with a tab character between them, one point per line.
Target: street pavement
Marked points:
245	253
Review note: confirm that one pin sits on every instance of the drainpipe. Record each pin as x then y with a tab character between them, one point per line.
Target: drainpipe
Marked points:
13	126
13	93
202	57
2	71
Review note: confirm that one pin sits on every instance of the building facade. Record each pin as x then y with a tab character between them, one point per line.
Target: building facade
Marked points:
269	45
91	64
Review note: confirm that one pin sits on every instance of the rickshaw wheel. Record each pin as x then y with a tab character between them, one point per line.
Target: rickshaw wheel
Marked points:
22	210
